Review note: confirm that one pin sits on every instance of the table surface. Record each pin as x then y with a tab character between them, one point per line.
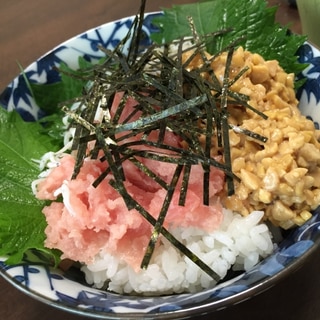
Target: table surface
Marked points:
28	29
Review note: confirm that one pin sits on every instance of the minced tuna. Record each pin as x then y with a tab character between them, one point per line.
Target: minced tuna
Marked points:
89	220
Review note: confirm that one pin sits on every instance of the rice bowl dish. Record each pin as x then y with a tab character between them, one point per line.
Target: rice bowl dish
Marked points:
261	243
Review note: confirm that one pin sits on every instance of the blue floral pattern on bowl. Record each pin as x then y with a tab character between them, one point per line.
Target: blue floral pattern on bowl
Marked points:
67	290
309	93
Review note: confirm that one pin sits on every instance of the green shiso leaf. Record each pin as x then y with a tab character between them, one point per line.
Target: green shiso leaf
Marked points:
22	224
250	20
48	96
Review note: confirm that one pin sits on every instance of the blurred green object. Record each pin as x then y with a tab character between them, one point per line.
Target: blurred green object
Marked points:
309	11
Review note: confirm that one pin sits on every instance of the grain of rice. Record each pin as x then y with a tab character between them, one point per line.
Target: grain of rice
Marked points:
240	243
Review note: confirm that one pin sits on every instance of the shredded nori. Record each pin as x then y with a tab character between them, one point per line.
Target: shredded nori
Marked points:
169	97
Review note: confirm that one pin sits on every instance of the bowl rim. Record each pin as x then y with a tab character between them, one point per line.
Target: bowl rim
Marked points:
197	309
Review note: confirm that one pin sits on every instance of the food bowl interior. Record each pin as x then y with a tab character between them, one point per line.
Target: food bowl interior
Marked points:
68	290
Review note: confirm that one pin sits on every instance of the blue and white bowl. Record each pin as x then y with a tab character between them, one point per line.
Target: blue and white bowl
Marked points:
67	290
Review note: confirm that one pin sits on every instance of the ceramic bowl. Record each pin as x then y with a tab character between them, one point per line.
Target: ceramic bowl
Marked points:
67	290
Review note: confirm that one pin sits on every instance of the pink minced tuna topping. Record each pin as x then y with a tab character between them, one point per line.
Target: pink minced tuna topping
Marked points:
90	220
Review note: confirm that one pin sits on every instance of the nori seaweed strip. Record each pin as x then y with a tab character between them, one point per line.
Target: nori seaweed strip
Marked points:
119	110
124	62
83	74
144	60
232	94
197	48
211	112
137	33
248	133
238	97
156	155
83	128
79	119
162	215
185	160
224	121
150	100
184	184
118	113
207	151
131	154
144	107
153	81
227	156
198	42
235	96
168	77
210	109
149	120
111	53
101	177
132	203
238	75
149	173
81	154
207	87
181	129
162	131
118	182
128	134
179	76
185	157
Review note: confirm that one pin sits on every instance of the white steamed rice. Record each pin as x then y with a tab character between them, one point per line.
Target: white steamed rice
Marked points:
239	243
